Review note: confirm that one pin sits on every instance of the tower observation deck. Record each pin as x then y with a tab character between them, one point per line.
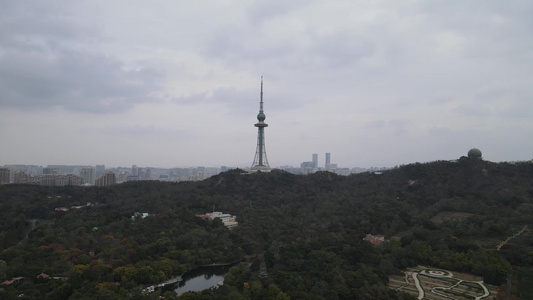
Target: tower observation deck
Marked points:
260	160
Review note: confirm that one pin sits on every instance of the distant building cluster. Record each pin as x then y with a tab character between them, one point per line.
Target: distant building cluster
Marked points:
309	167
57	180
99	175
55	175
228	220
61	175
48	179
20	177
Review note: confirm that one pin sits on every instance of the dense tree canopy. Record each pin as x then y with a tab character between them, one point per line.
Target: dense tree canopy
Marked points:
299	237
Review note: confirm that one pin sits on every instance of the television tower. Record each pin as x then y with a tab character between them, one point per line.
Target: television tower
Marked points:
260	161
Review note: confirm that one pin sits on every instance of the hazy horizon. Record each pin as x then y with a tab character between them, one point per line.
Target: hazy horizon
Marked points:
244	166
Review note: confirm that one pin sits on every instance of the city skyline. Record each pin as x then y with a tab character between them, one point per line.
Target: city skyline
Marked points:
99	175
166	84
319	165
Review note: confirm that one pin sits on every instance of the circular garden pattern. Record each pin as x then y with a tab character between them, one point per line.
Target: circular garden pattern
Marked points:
436	273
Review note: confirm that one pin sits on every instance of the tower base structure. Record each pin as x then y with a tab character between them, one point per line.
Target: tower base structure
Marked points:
264	169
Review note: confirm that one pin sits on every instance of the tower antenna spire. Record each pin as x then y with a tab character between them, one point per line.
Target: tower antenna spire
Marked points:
261	102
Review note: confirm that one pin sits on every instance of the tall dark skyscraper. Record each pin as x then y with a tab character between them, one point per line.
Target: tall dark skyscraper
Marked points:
260	160
328	161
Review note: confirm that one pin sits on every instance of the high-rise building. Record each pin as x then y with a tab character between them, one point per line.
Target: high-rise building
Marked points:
106	180
21	177
134	170
4	175
315	161
88	175
260	160
328	161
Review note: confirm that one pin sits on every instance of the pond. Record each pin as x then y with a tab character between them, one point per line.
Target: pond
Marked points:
200	279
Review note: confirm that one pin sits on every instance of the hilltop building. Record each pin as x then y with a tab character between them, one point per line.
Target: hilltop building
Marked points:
260	160
475	153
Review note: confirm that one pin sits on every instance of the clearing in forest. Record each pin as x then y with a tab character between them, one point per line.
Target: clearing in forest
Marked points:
438	284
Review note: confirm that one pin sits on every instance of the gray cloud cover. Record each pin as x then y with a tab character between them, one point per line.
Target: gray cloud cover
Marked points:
177	83
47	61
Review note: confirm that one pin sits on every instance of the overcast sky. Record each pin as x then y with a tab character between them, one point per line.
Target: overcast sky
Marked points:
176	83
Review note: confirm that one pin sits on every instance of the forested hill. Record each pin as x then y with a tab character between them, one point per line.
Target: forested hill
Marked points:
307	231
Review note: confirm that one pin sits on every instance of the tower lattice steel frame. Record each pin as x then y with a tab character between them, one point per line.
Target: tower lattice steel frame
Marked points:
260	160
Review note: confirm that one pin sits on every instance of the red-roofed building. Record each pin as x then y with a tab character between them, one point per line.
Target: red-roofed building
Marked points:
374	239
13	280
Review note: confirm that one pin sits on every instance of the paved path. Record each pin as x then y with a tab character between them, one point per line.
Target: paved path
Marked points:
485	290
486	294
418	287
511	237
